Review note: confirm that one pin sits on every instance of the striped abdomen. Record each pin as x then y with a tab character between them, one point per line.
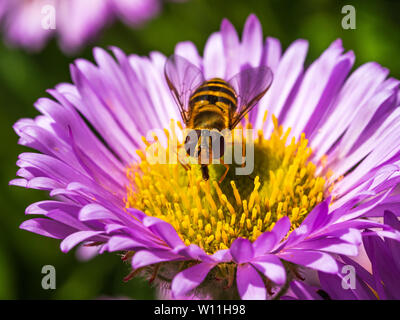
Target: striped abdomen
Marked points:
212	105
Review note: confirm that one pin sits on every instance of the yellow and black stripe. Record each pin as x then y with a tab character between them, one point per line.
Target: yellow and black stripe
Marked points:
213	91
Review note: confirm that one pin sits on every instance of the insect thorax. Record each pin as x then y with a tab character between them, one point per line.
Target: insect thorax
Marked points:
212	105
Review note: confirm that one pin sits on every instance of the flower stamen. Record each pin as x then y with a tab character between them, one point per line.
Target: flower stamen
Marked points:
213	215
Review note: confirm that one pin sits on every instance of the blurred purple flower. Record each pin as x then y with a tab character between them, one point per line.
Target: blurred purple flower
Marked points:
351	122
77	22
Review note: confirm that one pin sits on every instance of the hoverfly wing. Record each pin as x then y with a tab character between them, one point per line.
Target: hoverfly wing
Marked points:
250	85
183	78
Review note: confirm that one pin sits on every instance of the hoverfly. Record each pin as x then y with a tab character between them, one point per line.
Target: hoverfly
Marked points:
213	105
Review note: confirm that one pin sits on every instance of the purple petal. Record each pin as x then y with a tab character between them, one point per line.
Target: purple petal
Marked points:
214	61
358	89
136	12
47	228
119	243
112	227
85	253
312	259
332	284
231	45
391	220
393	245
190	278
102	120
272	267
316	218
145	257
330	245
67	218
72	240
287	74
43	207
96	212
79	21
250	284
384	268
188	50
252	42
19	183
242	250
223	255
193	252
272	53
42	183
320	85
381	100
264	243
164	230
304	291
361	272
281	228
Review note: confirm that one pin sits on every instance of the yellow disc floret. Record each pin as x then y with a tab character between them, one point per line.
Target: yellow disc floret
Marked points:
213	215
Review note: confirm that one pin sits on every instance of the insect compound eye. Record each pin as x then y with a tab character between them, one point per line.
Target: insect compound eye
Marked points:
191	140
218	144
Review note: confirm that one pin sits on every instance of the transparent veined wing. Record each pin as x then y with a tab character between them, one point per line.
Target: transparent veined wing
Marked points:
183	78
250	85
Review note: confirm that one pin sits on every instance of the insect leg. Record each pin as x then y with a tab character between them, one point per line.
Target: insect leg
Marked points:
204	172
225	173
185	166
243	150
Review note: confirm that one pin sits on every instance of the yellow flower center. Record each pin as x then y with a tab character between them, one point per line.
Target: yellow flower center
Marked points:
213	215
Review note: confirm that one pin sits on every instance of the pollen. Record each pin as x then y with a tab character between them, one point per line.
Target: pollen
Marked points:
212	214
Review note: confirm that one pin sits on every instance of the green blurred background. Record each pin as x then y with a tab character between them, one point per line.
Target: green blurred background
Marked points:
24	78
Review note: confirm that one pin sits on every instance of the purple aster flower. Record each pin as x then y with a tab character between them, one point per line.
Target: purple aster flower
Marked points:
30	24
325	166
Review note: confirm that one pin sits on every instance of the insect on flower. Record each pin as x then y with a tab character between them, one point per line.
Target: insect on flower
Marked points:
325	168
209	106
